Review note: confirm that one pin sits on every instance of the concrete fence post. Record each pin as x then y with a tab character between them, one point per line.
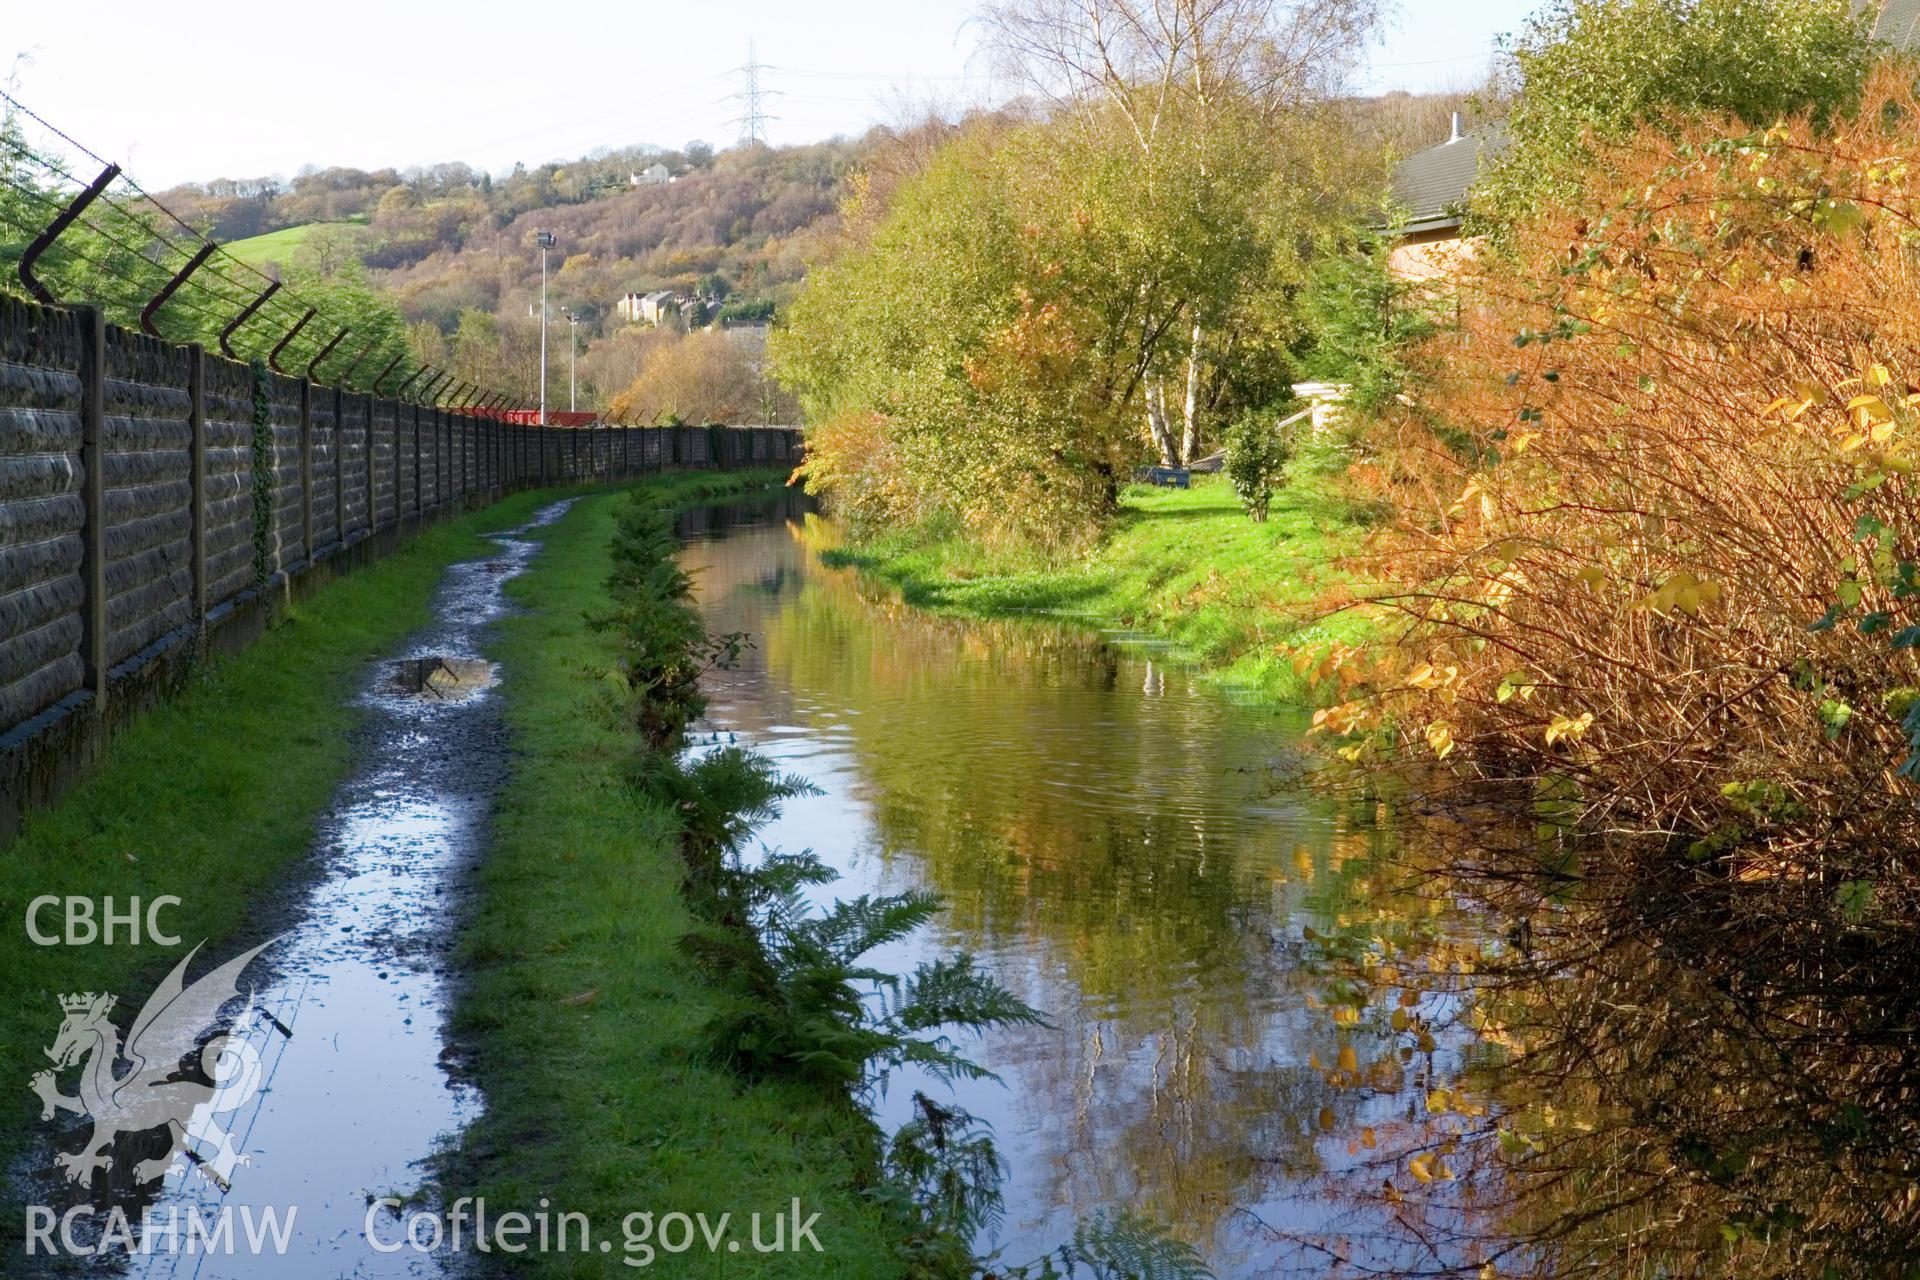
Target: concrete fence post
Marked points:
399	502
306	467
371	513
339	468
93	499
197	481
418	491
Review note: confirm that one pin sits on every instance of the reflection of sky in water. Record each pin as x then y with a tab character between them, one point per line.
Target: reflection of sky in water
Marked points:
1112	840
357	1097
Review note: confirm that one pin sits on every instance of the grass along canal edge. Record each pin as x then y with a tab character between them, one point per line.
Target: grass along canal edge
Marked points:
579	1015
210	797
1234	597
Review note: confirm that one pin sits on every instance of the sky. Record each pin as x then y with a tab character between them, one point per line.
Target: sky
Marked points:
249	88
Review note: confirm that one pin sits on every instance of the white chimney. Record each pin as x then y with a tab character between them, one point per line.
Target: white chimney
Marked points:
1455	137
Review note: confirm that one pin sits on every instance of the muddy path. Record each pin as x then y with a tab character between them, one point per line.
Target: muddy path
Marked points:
350	1039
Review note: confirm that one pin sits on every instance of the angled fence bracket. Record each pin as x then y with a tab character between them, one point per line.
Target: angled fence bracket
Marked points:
43	241
273	356
401	389
347	375
246	314
159	300
325	352
391	366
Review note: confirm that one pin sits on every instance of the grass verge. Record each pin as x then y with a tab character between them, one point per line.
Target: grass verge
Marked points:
212	796
1184	566
579	1013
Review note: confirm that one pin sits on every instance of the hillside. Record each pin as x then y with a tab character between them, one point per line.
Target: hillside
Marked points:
455	248
447	238
731	232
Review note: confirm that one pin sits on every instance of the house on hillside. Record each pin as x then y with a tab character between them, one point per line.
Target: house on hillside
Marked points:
1431	186
654	308
654	175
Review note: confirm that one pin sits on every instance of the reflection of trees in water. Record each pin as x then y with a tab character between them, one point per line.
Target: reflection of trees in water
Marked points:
1122	854
1042	804
1176	1123
1120	858
1682	1071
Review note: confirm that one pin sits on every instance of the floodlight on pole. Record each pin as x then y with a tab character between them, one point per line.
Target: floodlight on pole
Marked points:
546	241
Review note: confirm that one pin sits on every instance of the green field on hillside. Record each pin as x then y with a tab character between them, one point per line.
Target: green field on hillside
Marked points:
278	246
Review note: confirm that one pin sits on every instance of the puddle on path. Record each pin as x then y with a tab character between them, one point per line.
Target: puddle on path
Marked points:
354	1099
442	678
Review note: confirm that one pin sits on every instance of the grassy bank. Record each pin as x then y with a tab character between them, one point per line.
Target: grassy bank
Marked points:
1184	566
209	797
212	796
579	1010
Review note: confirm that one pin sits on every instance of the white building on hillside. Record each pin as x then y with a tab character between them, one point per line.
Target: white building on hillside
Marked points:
656	308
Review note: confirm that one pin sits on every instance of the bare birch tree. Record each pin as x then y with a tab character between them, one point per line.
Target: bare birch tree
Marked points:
1185	80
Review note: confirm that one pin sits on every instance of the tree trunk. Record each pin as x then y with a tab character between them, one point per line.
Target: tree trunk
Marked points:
1154	390
1190	437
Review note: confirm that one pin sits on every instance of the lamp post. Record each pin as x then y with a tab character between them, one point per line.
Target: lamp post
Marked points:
546	241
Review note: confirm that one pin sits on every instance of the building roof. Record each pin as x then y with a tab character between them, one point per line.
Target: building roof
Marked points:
1899	24
1428	184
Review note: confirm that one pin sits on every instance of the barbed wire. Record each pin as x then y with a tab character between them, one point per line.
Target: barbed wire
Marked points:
285	305
145	288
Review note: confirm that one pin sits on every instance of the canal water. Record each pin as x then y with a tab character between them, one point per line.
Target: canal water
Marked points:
1127	849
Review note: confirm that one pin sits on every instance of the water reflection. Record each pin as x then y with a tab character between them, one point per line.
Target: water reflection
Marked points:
1672	1071
1114	842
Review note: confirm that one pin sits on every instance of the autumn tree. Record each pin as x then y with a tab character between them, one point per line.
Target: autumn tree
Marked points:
1196	89
1587	72
700	377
